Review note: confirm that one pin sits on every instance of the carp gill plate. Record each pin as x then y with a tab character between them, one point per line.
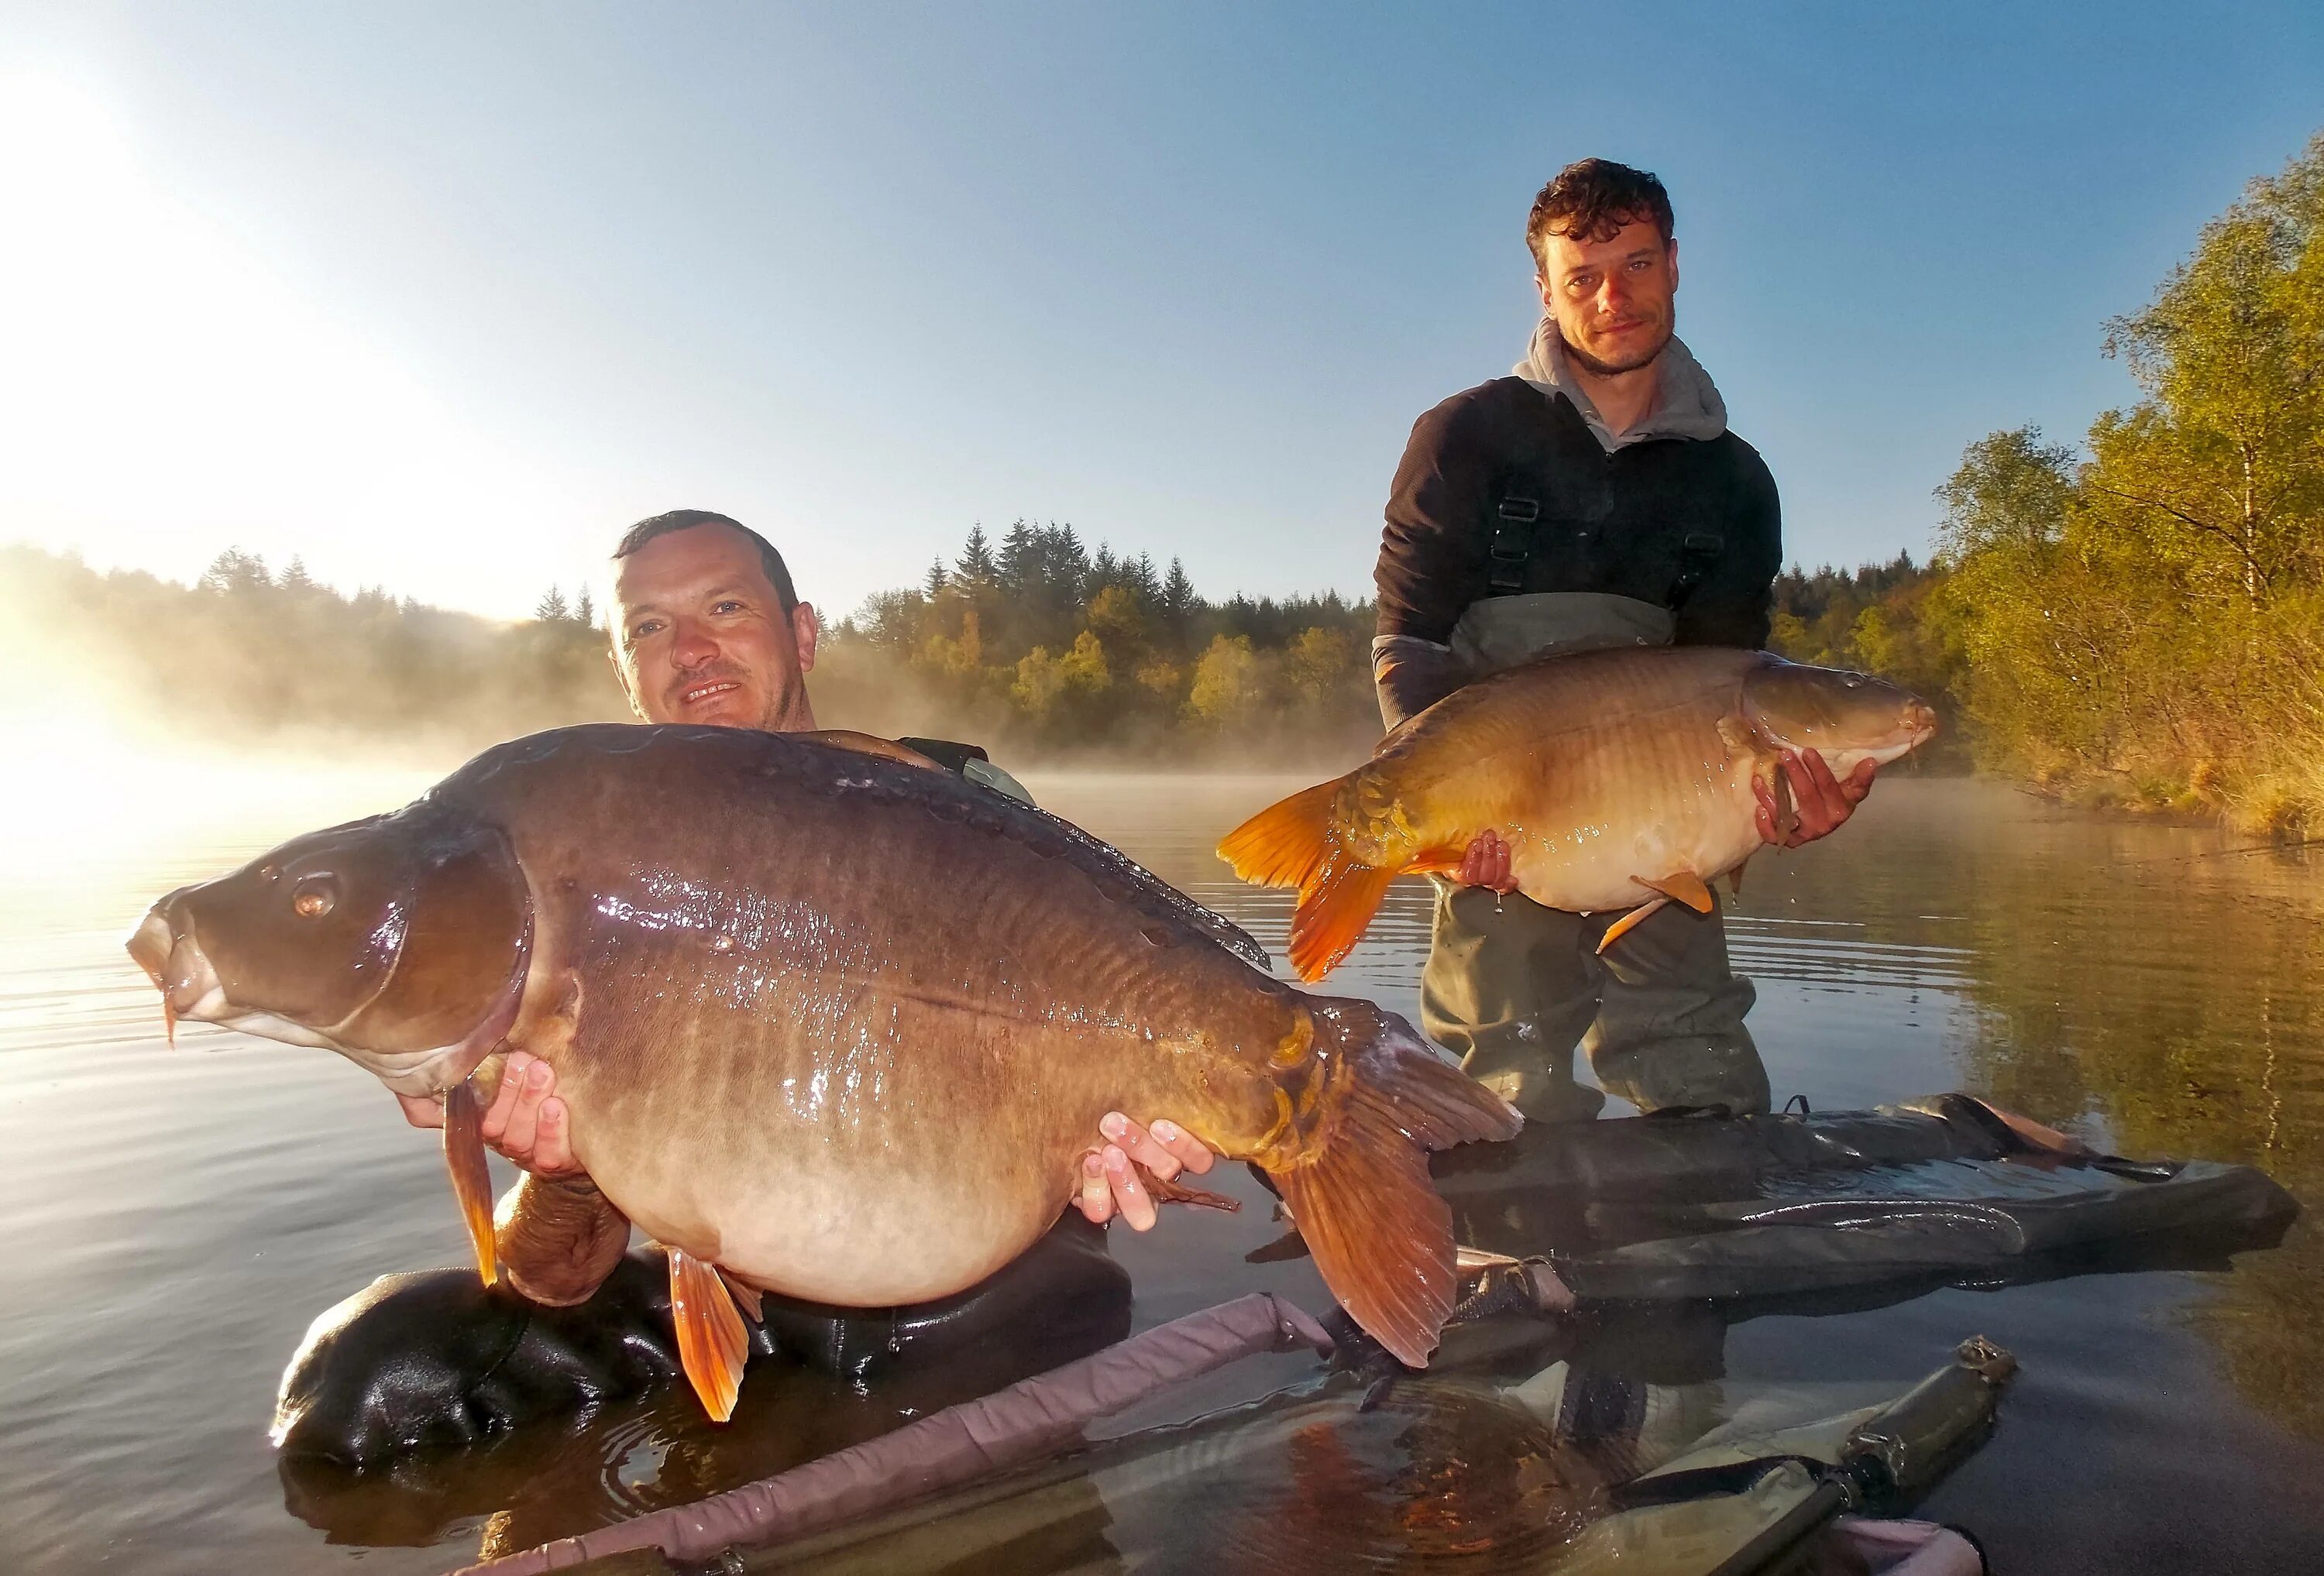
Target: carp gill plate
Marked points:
1619	780
830	1022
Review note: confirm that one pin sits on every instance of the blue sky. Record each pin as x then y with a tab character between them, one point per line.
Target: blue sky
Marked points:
443	296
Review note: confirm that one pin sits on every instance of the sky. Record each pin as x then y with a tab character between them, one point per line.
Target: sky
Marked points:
442	297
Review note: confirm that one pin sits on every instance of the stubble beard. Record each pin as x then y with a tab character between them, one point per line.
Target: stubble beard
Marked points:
1610	369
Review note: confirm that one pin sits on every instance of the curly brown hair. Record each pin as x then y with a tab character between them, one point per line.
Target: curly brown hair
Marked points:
1592	199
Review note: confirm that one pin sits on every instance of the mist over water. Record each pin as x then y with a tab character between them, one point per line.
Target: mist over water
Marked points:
178	1216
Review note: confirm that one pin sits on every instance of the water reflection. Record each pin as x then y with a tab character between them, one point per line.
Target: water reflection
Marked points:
178	1218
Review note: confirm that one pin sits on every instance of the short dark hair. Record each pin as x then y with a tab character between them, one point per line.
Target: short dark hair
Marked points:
1591	199
779	574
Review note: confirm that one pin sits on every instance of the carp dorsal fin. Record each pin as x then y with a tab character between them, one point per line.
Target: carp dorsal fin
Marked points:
1628	922
1158	897
869	744
711	1343
472	1182
1683	886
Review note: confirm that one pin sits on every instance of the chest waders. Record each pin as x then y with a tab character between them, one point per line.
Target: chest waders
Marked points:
1512	988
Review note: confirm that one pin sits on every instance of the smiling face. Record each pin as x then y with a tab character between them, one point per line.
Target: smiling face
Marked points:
1612	298
700	635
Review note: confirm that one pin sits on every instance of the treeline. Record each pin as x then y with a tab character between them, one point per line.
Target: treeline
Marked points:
2145	623
1056	650
250	654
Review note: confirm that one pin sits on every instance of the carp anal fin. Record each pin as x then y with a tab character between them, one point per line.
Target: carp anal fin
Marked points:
711	1343
1334	913
1686	887
1627	923
472	1182
1364	1201
1166	1190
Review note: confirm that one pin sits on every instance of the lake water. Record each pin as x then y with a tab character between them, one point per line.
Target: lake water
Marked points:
175	1218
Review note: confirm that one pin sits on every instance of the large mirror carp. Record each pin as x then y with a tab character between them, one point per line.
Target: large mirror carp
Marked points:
830	1021
1619	780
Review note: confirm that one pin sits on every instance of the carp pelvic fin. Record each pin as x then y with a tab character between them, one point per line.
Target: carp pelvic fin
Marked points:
711	1343
1627	923
1686	887
472	1182
1363	1202
1334	910
1287	844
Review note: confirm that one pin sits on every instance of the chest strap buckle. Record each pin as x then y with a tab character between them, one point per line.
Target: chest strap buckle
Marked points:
1512	543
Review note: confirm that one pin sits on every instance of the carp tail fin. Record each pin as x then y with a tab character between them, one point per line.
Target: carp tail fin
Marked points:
1287	844
1362	1199
711	1343
471	1180
1334	910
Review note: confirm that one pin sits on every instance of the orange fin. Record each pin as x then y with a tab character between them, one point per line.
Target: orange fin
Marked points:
746	1297
1285	844
869	744
1165	1190
1628	922
1334	913
711	1343
472	1182
1363	1202
1686	887
1436	861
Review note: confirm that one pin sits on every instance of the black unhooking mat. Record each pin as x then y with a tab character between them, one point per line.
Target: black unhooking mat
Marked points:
1949	1189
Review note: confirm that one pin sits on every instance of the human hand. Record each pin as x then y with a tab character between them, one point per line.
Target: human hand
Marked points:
526	1123
1486	863
1109	1183
1819	801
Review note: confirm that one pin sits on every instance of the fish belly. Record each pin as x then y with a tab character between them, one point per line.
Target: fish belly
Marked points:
1627	807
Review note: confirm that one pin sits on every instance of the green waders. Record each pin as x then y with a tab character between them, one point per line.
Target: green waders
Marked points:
1512	988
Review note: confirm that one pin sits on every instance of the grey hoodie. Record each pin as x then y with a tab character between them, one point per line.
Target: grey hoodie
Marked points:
1686	403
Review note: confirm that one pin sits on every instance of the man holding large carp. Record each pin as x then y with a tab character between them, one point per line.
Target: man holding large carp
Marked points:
1594	499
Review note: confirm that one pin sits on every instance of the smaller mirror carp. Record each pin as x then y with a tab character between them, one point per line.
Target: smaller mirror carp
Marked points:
1621	781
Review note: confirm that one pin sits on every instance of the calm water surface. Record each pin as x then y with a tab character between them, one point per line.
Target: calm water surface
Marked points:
176	1217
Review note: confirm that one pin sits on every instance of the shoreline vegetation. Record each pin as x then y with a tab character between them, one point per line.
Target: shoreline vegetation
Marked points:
2139	622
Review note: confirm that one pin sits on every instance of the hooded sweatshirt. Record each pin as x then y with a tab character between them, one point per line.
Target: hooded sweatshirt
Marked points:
1516	488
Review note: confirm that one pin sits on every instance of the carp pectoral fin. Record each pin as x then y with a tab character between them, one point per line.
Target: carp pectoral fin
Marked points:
1686	887
1736	733
472	1182
1435	862
711	1343
1166	1190
1628	922
869	744
1285	844
1735	879
1382	1239
1333	913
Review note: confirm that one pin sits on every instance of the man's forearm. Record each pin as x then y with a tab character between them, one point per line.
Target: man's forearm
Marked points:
1411	675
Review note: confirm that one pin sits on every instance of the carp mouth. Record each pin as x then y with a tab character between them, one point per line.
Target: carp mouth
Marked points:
165	946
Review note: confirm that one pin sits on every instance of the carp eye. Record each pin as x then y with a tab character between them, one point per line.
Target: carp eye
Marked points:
313	897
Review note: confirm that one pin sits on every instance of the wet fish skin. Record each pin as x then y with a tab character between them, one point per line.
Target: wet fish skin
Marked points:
1618	778
841	1025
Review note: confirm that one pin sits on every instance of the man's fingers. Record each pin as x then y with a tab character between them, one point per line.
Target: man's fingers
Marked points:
1190	1152
1096	1200
552	1150
495	1120
1140	1145
522	1133
1857	783
1130	1195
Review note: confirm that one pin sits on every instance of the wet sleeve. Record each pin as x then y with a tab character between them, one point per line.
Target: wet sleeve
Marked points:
1734	603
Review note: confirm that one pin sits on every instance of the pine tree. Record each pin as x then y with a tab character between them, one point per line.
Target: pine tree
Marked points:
934	582
977	567
294	576
551	607
584	609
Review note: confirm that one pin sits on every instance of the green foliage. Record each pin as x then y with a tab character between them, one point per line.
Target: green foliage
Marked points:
2147	626
1046	648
